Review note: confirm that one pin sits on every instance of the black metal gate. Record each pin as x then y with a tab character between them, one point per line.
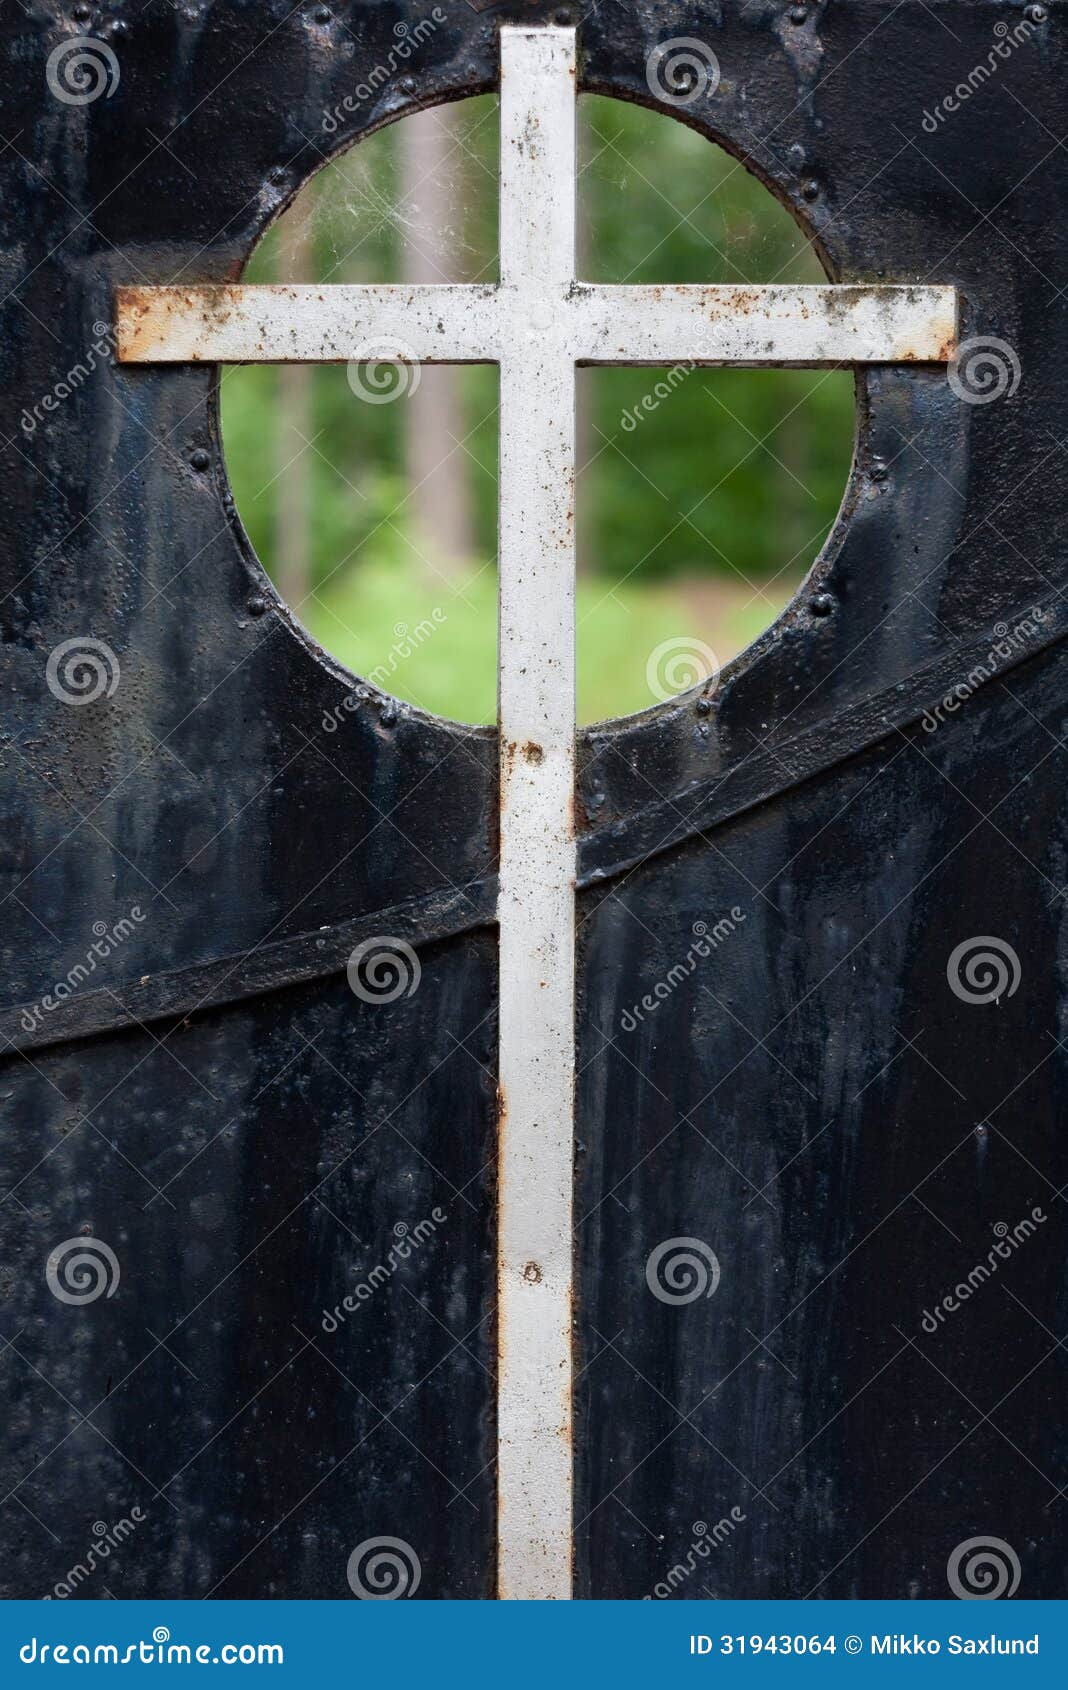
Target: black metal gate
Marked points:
248	1329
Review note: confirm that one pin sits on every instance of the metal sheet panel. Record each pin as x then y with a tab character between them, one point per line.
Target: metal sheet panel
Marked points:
539	323
835	1125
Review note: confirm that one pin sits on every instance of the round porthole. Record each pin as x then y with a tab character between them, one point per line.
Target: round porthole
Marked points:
369	492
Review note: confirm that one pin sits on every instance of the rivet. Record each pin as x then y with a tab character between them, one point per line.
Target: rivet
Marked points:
562	17
798	14
200	459
407	85
704	706
83	13
811	189
879	470
822	605
1036	14
256	605
323	14
388	716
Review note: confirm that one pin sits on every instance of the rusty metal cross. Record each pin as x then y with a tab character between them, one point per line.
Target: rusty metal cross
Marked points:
538	323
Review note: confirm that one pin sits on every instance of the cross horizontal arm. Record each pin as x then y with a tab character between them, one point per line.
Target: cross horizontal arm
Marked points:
306	325
811	327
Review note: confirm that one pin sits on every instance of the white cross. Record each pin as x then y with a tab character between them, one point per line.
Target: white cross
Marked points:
538	323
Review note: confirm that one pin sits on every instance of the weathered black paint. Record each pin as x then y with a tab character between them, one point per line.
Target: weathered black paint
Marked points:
280	1125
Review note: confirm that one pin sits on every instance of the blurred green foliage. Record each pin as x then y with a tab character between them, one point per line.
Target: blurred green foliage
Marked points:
436	646
699	510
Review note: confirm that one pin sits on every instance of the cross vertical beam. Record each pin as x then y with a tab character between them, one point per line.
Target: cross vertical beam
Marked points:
537	837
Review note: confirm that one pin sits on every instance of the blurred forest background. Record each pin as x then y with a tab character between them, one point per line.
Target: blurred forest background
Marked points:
369	493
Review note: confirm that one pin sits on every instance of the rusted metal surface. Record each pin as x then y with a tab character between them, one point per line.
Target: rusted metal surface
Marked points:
268	967
814	1103
453	324
604	854
834	1124
535	1240
538	324
801	327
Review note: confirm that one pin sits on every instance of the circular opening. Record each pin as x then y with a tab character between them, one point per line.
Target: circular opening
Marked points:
369	493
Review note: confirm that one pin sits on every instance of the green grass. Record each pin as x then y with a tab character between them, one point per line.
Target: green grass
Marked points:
434	644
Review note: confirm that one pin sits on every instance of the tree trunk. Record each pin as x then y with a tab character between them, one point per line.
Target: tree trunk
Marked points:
294	462
588	439
439	504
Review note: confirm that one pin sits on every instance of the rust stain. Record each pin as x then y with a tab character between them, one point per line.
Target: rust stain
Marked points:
948	350
145	316
502	1123
508	756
